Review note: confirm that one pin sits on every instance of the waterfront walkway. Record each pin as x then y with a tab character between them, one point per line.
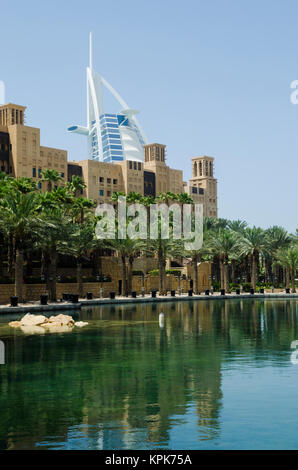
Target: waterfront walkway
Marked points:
34	307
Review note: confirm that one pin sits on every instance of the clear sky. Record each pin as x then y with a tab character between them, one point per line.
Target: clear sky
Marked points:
210	77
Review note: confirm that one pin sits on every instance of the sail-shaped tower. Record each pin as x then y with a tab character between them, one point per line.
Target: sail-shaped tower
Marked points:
111	137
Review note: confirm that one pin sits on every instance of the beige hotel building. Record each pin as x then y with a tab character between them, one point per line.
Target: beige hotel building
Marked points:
21	155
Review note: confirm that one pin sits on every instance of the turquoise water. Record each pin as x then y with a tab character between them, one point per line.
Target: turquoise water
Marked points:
218	375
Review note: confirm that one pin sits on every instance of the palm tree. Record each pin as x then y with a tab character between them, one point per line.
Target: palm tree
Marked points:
81	207
127	249
79	245
53	234
166	197
224	243
288	259
24	185
252	244
76	186
165	248
238	226
133	197
51	176
18	223
196	256
277	238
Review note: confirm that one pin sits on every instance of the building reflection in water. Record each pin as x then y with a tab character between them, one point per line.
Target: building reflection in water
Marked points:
124	382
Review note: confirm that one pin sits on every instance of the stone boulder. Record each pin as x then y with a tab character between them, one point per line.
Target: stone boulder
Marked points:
31	324
61	320
15	324
31	320
81	323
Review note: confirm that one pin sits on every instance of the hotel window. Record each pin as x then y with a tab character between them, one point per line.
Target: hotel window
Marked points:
130	165
134	165
101	192
101	179
114	181
108	193
39	185
34	172
39	172
62	175
139	166
109	180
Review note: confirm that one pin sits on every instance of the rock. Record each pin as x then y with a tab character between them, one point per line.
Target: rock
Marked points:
81	323
31	320
61	320
15	324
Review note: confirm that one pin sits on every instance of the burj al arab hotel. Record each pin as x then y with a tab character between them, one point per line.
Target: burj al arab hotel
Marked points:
111	137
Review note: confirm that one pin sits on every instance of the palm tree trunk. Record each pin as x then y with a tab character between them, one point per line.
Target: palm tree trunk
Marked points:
222	275
226	276
42	264
10	255
52	272
29	264
253	271
124	279
287	278
96	262
233	275
19	268
293	281
161	266
129	274
195	273
79	278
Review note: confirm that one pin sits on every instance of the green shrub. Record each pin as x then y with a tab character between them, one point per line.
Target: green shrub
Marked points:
216	286
154	272
176	272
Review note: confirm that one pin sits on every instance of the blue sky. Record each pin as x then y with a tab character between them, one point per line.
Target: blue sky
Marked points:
210	77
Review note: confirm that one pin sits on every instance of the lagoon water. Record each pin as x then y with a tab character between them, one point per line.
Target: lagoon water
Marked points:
217	375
